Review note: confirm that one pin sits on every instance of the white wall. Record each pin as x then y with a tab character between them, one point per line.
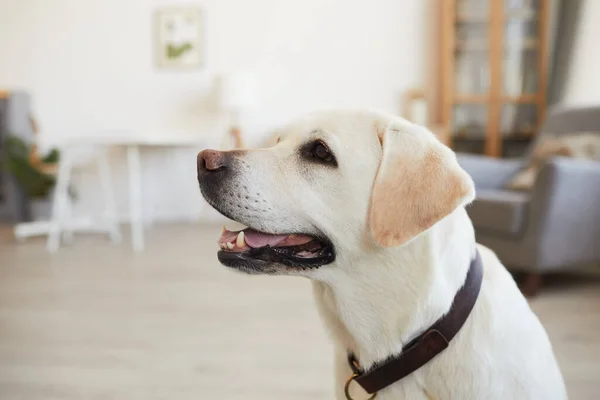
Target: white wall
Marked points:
583	81
89	65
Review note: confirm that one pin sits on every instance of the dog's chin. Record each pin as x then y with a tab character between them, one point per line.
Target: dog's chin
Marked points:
251	266
247	265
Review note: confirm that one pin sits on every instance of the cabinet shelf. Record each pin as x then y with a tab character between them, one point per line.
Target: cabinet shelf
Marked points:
472	98
525	13
523	99
484	45
485	98
475	18
515	137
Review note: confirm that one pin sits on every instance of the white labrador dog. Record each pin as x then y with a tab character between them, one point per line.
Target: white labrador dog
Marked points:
371	208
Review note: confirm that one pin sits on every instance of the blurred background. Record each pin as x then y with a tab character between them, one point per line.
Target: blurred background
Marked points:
109	283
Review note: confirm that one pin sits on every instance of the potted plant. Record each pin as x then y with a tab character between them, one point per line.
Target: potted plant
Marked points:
35	174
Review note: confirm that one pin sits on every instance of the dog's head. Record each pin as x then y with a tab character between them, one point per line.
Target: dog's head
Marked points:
337	185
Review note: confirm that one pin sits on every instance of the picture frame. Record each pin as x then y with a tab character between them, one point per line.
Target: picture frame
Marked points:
179	41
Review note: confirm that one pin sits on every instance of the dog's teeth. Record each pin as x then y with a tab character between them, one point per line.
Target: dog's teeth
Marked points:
230	246
222	245
223	229
240	242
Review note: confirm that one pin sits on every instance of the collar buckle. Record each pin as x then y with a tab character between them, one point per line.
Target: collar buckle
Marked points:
347	388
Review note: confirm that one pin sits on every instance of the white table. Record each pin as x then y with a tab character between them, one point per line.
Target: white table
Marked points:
133	142
134	164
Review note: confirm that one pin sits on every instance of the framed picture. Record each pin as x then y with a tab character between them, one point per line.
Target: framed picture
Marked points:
179	38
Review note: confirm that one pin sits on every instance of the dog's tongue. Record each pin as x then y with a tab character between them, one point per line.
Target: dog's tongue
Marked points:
258	239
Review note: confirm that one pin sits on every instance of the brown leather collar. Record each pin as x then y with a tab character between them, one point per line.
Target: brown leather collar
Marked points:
427	345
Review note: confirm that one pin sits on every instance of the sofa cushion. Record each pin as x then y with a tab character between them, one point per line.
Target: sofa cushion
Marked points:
499	211
581	145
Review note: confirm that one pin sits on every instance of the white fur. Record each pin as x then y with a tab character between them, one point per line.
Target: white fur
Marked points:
375	299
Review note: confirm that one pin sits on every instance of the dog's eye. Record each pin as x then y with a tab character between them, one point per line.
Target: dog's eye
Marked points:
321	152
318	152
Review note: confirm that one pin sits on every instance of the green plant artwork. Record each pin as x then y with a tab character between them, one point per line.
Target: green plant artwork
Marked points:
174	52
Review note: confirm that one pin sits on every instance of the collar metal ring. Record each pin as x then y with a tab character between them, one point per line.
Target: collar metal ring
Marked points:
347	388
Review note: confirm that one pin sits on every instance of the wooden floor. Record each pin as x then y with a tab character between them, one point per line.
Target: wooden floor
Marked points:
96	321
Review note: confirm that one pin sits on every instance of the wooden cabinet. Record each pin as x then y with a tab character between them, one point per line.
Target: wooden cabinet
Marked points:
493	74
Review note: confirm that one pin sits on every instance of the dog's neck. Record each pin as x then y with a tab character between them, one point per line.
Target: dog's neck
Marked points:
382	302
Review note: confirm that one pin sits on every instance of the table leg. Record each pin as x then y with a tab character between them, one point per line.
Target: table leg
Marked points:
110	209
135	197
60	202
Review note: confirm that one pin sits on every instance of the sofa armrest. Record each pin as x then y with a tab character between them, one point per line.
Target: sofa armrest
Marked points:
564	215
488	172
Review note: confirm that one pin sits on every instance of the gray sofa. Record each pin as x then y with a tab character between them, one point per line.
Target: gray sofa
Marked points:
557	224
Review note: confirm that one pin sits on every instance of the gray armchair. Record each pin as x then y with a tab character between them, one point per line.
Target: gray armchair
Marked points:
557	224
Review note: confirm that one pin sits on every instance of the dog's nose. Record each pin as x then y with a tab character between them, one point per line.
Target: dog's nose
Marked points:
210	160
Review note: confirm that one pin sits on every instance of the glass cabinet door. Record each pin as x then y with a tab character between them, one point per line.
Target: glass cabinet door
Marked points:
521	41
471	52
520	73
471	75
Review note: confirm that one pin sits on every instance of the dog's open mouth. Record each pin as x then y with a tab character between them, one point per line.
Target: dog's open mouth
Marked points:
294	250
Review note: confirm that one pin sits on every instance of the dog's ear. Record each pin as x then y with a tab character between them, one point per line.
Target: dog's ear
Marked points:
418	183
